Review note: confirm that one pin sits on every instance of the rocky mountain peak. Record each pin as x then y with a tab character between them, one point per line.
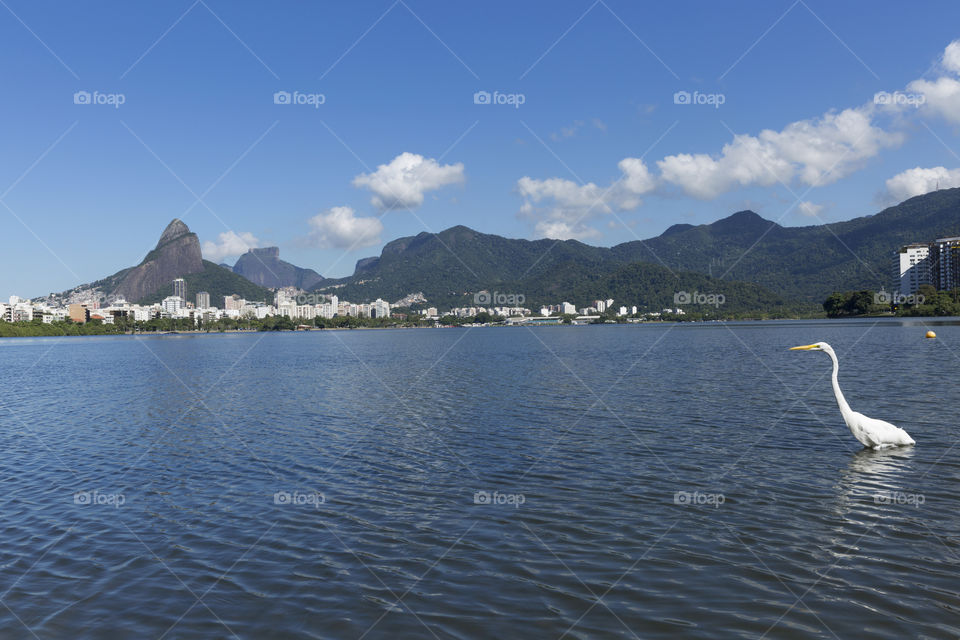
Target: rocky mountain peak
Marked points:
177	254
174	230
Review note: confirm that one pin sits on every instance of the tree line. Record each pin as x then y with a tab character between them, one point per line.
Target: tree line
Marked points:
926	302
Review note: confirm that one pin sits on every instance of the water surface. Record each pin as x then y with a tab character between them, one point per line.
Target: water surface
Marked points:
580	482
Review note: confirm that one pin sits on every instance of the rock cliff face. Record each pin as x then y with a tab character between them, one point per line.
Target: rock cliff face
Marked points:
177	254
264	267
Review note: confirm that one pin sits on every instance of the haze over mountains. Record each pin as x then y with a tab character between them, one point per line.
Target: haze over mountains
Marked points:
754	262
264	267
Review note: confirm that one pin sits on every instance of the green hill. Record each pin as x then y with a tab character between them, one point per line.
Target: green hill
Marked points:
802	265
218	282
450	267
806	263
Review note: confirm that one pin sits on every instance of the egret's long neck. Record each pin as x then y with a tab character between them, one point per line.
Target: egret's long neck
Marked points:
841	401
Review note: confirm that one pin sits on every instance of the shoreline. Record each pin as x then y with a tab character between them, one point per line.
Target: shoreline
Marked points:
909	319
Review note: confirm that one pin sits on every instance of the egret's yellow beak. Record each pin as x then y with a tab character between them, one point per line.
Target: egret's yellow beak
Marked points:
805	347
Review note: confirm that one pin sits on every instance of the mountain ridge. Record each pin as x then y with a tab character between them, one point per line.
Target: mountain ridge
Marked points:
804	264
800	265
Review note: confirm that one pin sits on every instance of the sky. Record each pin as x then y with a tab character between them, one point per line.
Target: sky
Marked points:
329	129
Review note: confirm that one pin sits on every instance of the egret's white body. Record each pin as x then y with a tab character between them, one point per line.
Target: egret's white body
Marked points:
871	432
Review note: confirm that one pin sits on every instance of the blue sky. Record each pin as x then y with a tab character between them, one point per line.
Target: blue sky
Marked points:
598	150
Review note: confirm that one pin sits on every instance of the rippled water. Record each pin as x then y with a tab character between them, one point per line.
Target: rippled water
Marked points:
583	482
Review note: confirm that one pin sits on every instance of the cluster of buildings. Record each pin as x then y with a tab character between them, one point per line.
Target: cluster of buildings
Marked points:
564	308
293	303
289	302
554	311
935	263
597	307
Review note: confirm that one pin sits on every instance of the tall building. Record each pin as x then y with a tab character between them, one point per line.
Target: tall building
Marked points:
284	296
913	266
203	300
945	263
380	309
180	288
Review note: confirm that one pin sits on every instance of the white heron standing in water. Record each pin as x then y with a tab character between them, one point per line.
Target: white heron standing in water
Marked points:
871	432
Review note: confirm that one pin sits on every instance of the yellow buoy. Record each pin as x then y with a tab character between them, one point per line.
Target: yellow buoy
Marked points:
931	334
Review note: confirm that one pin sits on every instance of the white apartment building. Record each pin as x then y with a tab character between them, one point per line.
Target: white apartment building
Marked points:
306	311
327	310
142	314
285	296
380	309
171	306
913	267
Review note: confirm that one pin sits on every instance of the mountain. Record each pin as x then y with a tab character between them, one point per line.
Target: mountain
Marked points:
264	267
802	264
453	265
218	282
806	263
177	255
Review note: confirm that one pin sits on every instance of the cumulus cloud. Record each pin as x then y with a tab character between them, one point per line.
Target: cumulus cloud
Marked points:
563	208
402	183
809	209
918	181
817	152
229	243
951	57
813	152
340	228
940	96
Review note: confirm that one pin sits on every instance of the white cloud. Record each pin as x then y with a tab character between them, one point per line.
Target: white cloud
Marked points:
568	206
951	57
918	181
812	152
809	209
941	97
560	230
340	228
817	152
636	181
402	183
229	243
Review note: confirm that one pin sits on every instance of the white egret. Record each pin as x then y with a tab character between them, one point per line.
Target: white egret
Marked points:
871	432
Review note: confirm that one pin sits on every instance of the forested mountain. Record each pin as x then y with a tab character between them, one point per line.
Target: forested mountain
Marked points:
799	264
